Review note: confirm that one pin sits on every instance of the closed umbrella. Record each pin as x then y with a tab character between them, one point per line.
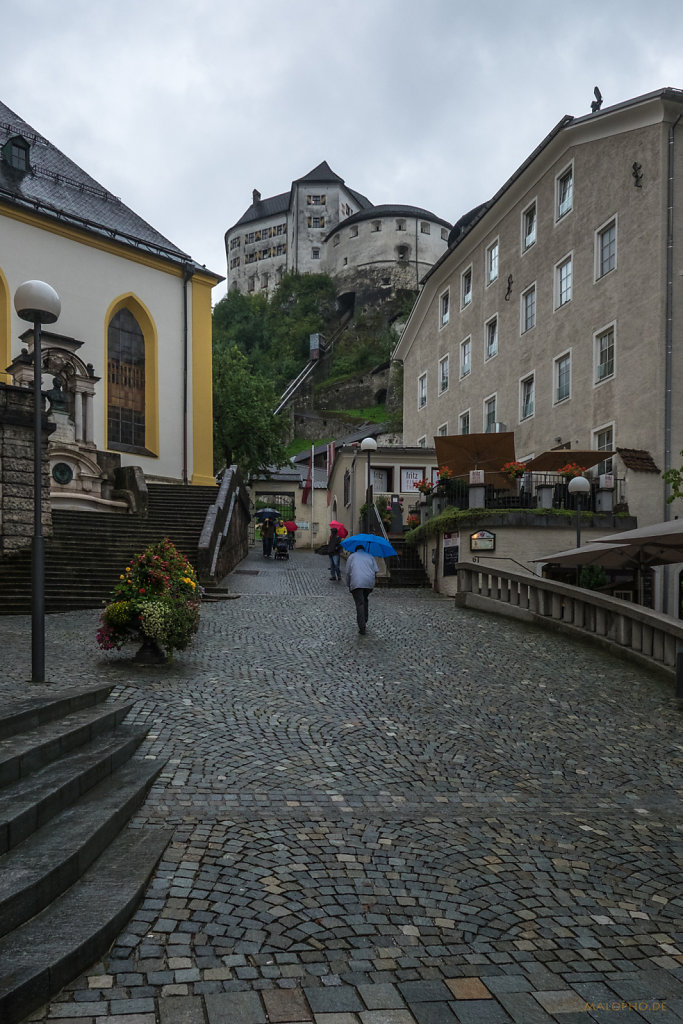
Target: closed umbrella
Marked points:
373	544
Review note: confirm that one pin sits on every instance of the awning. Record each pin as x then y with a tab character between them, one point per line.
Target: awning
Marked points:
550	462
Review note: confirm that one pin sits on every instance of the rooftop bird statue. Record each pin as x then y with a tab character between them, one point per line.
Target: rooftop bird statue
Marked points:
597	102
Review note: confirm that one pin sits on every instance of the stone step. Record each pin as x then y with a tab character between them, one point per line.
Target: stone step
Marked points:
45	864
29	712
29	803
27	752
43	955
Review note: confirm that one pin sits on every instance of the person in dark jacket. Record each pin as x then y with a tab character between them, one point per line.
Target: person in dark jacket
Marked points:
267	534
334	553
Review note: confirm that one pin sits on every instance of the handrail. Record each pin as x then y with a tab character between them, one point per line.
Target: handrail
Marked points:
295	384
621	626
217	525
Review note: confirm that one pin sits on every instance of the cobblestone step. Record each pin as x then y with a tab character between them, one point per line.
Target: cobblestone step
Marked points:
29	712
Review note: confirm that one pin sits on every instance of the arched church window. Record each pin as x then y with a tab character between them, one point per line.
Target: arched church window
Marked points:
126	382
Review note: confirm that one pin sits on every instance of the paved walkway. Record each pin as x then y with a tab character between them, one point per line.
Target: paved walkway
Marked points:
455	819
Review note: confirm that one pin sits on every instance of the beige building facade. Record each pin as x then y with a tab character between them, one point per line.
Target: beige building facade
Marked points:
557	311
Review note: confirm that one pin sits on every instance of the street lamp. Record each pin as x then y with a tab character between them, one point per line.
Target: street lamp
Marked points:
578	485
37	302
368	444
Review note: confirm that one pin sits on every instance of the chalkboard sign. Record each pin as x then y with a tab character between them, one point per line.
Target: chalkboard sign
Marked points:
451	557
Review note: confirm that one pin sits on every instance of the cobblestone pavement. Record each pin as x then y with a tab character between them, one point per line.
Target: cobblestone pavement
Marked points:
455	818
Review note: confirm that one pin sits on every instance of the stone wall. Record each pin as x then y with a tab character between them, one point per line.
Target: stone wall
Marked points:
16	470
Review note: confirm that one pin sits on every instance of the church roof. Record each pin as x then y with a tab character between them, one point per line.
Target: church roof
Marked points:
56	188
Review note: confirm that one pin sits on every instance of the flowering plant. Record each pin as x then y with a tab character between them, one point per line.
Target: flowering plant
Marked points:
513	470
444	474
156	600
424	486
571	470
413	520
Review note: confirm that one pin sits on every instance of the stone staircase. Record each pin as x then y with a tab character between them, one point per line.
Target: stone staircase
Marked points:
408	571
71	874
88	550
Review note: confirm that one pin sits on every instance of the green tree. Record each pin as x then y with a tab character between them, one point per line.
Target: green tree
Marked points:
674	477
245	430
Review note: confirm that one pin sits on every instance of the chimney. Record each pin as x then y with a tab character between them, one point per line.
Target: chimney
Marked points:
255	196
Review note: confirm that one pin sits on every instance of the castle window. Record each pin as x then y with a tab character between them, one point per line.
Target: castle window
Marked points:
377	225
400	225
425	227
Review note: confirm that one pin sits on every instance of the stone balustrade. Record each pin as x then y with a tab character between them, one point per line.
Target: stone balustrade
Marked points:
624	628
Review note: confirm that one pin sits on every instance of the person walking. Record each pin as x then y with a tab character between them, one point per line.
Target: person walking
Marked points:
334	552
361	570
267	534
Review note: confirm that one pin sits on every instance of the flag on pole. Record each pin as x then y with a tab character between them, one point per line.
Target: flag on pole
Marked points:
308	486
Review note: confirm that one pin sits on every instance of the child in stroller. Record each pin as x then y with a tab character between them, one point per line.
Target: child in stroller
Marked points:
281	546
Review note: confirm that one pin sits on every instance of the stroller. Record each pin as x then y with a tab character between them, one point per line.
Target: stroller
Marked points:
280	546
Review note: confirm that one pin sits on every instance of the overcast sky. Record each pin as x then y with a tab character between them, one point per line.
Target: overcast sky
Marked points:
182	108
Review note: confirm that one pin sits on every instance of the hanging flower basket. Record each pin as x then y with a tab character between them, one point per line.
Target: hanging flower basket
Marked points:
425	487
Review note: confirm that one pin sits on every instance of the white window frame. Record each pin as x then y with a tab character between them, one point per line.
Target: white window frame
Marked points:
567	259
422	390
444	361
524	327
556	377
522	381
492	262
315	253
601	231
599	379
442	431
485	419
529	239
561	213
487	353
461	417
444	308
463	372
464	301
422	441
608	465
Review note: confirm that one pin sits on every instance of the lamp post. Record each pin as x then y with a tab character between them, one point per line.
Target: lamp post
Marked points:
39	303
368	444
578	485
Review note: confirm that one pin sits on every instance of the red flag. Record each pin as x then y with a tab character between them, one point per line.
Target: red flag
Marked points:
308	486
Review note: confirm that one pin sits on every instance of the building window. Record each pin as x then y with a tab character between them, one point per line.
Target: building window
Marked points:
336	240
527	389
563	282
402	252
444	235
529	227
465	357
251	284
492	262
425	227
604	354
315	200
489	414
422	391
444	310
315	254
377	225
442	431
466	287
606	249
603	439
529	309
563	366
464	422
125	382
422	442
443	375
317	222
354	231
491	336
400	225
565	192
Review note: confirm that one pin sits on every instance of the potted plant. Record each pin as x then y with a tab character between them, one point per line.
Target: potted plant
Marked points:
513	470
155	603
571	470
425	487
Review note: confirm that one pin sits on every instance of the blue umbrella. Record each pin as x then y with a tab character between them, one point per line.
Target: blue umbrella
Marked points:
373	544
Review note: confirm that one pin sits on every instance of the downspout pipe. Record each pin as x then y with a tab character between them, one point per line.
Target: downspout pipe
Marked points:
668	395
187	277
668	370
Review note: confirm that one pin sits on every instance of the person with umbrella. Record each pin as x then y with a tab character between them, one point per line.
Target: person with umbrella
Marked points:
361	571
291	533
267	534
334	553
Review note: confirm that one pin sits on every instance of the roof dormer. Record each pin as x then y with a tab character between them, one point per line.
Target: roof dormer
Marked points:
16	153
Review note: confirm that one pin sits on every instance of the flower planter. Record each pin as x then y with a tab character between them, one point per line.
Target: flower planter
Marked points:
149	653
